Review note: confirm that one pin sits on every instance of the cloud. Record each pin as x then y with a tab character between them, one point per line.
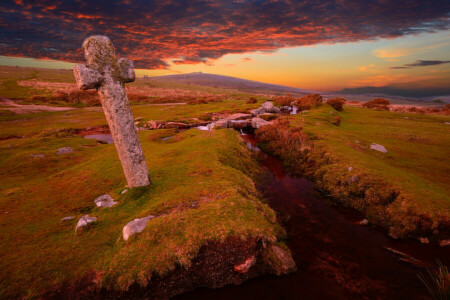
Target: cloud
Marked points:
422	63
365	68
246	59
157	33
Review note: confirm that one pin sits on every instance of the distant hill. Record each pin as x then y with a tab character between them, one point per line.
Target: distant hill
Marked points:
227	82
422	94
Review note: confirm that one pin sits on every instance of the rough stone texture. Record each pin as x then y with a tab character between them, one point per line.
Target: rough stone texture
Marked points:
378	148
108	74
177	125
85	221
135	226
240	116
222	124
424	240
280	260
64	150
269	108
67	219
245	267
105	201
258	122
240	124
37	155
258	111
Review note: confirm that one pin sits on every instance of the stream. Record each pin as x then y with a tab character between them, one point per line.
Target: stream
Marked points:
336	256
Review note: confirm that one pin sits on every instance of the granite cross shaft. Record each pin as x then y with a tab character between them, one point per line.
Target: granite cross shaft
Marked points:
108	75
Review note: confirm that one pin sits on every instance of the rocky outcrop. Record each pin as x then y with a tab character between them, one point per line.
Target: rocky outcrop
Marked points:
240	116
270	108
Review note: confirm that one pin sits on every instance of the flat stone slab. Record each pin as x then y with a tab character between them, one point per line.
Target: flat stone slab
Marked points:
64	150
240	116
378	147
135	226
85	221
105	201
258	122
257	111
224	123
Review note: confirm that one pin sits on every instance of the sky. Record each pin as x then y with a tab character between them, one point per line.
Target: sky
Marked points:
323	45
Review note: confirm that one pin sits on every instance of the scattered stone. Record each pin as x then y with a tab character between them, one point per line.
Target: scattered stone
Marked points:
280	260
444	243
378	148
224	123
364	222
84	221
37	155
258	122
350	169
357	142
353	179
64	150
243	268
105	201
178	125
240	116
424	240
108	75
67	218
124	191
135	226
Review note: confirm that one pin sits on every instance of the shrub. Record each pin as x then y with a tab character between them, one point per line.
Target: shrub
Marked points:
289	143
308	102
336	120
337	103
378	103
284	100
251	100
76	97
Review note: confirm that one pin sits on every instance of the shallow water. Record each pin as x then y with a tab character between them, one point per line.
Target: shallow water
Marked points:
336	257
101	137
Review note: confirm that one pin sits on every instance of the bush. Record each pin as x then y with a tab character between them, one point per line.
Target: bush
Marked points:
308	102
77	97
251	100
378	103
336	103
284	100
289	143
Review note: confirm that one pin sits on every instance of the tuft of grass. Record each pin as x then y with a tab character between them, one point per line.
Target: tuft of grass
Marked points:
437	282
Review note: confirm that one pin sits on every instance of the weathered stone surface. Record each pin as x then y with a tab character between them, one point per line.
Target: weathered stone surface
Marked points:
224	123
177	125
105	201
37	155
135	226
240	124
258	111
378	148
270	108
258	122
280	260
64	150
245	267
84	221
67	219
240	116
108	74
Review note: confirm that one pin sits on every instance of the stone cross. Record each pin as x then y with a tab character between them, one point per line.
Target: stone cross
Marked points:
108	75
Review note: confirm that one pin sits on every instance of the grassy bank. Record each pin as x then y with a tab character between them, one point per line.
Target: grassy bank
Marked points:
201	191
405	189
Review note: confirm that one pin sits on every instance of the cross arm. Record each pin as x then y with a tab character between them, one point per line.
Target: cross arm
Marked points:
87	77
126	70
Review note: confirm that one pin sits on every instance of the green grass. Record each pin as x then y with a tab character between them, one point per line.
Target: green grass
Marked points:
200	191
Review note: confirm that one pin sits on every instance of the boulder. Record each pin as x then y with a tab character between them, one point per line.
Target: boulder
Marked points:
378	148
135	226
240	116
279	260
258	122
224	123
258	111
243	268
64	150
177	125
241	124
269	108
105	201
84	221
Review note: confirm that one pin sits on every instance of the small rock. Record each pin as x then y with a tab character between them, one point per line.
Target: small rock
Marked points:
378	148
85	221
406	118
243	268
240	116
353	179
447	123
424	240
350	169
67	218
280	260
444	243
64	150
135	226
269	108
37	155
124	191
364	222
105	201
357	142
258	122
